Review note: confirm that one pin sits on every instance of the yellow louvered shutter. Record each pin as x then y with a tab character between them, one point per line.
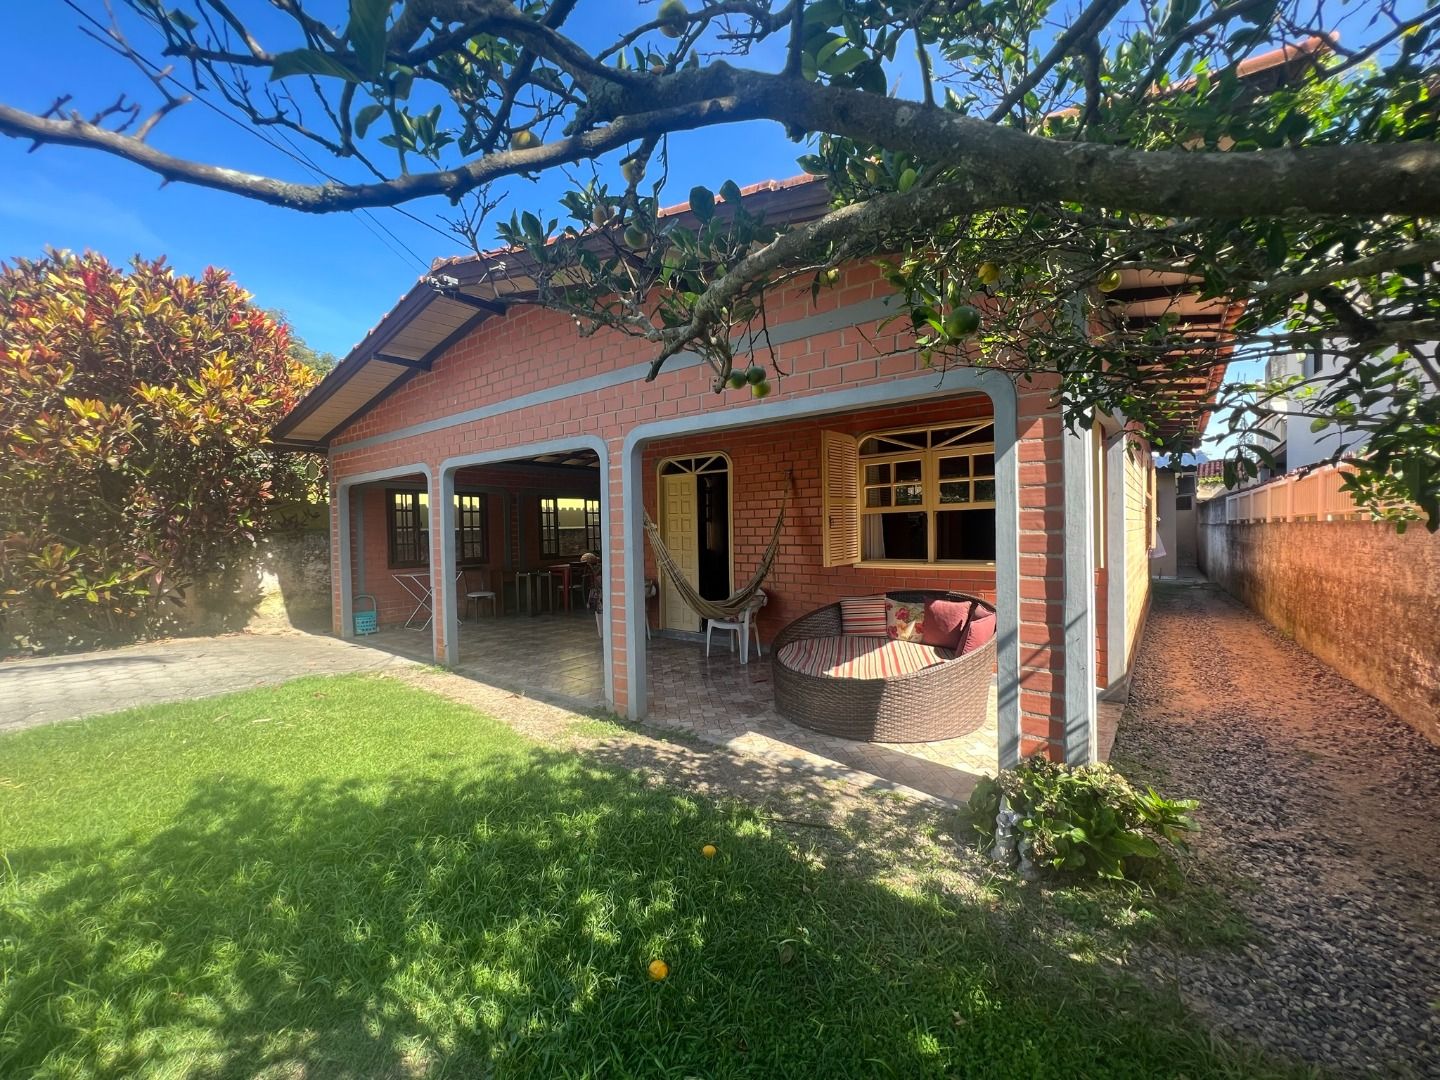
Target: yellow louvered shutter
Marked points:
840	484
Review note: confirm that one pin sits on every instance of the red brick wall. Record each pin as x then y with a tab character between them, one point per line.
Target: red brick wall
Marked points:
759	460
530	349
1102	626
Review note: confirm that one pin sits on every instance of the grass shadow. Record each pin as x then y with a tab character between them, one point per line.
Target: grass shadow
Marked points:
484	906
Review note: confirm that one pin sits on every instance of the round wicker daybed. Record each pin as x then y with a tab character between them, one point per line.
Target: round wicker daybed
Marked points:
945	700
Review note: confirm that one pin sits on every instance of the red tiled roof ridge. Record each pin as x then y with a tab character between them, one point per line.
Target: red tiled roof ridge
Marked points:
666	212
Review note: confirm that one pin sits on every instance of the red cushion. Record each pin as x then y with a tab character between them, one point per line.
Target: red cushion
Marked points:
980	631
945	622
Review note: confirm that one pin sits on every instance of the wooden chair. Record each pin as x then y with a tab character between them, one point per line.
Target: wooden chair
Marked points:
477	589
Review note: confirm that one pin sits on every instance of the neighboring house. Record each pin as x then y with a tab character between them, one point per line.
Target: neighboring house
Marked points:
1297	445
1175	494
536	442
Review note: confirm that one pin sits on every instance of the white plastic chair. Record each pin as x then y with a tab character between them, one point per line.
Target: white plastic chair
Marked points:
742	628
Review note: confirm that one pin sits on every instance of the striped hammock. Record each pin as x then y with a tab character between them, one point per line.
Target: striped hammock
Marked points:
734	605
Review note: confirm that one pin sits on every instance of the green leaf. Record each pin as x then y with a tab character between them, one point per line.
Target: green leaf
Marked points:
366	34
310	62
830	48
907	180
367	116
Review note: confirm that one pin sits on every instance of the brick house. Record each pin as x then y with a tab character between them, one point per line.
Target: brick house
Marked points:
536	443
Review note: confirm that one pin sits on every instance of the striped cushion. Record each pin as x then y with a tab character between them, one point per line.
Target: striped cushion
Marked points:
864	615
870	657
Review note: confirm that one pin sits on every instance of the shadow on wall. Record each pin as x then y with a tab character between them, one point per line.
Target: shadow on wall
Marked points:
284	583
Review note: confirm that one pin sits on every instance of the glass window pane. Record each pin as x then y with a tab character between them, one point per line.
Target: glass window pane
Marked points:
952	467
965	534
984	490
907	470
877	474
984	464
869	446
424	510
983	434
941	436
909	495
895	536
898	444
877	496
957	492
571	513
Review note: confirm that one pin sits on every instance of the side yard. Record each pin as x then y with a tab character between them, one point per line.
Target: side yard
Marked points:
1326	807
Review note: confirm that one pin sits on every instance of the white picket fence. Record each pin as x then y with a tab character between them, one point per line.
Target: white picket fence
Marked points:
1315	496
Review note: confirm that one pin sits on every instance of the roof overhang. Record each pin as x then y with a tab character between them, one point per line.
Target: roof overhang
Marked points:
1145	297
450	302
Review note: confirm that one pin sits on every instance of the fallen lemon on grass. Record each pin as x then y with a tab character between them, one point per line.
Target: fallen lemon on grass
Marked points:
659	969
708	851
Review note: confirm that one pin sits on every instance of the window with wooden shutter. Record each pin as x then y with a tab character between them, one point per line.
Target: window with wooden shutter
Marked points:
840	484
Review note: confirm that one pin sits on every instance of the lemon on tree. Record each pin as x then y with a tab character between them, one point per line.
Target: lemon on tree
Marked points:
736	380
1109	282
755	374
760	389
961	322
988	273
671	17
632	171
636	238
524	139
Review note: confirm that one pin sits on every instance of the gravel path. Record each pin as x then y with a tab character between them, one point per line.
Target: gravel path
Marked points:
1330	805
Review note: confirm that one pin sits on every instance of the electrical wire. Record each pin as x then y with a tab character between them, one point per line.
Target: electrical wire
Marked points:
364	215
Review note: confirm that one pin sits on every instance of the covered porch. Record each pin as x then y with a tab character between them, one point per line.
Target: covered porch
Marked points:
555	658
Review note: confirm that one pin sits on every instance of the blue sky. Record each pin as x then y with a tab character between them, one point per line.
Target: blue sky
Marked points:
331	274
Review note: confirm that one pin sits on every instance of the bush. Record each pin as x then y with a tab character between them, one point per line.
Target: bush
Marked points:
134	413
1085	820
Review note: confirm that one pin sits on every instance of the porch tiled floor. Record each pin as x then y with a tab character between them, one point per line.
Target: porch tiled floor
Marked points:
721	701
552	657
559	658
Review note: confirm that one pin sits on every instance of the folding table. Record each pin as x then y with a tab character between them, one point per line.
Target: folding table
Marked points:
417	584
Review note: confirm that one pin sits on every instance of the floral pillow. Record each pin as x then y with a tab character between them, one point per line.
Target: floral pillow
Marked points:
904	621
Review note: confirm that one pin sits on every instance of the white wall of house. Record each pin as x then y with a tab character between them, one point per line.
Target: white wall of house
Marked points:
1302	446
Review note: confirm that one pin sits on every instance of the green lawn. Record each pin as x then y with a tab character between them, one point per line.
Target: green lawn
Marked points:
349	877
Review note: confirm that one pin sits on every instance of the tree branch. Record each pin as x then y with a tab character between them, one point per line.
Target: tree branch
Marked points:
995	166
1424	252
327	198
1091	21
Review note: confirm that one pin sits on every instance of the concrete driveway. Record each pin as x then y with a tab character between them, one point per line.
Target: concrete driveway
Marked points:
42	691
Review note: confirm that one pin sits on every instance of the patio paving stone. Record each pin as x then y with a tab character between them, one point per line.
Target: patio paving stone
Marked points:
558	658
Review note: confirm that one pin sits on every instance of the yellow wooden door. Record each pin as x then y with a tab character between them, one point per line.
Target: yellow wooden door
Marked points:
679	528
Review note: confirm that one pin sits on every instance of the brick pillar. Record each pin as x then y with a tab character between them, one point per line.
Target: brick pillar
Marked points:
1042	571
